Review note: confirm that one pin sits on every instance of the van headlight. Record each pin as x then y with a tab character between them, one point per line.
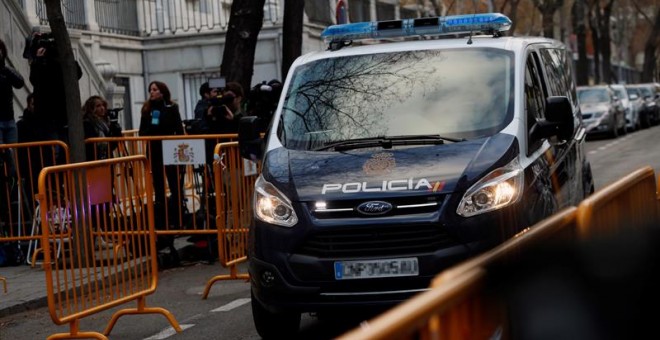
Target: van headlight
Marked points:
272	206
501	187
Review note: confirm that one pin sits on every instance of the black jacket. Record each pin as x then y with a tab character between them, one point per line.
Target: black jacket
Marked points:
49	97
169	121
8	78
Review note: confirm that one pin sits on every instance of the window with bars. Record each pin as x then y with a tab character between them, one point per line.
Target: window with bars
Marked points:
358	11
319	11
191	85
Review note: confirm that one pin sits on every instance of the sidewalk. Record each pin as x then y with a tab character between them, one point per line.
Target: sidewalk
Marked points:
26	289
26	286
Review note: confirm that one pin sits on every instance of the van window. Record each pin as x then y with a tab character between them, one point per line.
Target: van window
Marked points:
534	102
454	93
559	74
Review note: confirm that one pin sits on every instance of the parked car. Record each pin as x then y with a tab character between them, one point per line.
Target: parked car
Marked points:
651	111
631	106
602	111
636	97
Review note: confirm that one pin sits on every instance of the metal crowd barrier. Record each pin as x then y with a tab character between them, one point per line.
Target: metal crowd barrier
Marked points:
459	304
194	177
629	203
20	165
81	205
234	183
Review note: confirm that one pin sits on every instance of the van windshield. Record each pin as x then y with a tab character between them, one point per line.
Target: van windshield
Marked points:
462	94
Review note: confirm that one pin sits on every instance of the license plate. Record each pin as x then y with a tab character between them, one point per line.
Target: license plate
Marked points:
345	270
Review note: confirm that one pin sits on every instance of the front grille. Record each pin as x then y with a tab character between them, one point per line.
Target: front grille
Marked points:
400	206
361	241
586	116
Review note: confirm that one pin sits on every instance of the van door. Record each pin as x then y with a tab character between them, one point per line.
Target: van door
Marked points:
557	77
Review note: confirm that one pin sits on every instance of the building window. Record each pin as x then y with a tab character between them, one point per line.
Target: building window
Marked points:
319	12
191	85
358	10
385	11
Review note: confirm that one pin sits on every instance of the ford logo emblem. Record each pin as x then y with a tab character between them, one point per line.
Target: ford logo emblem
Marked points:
374	208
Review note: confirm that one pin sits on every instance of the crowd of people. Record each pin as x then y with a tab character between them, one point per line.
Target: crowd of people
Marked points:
218	111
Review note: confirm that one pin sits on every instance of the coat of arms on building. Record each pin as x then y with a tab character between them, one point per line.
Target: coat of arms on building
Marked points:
380	163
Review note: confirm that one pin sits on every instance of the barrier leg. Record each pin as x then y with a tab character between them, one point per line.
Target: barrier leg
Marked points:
75	334
232	276
141	309
4	283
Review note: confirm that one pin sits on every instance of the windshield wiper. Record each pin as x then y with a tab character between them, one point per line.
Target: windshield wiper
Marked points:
386	142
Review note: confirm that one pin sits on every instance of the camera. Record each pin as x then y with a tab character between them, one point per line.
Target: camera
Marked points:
113	114
219	104
262	101
37	41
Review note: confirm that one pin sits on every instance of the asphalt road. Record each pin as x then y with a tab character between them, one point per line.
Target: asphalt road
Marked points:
226	313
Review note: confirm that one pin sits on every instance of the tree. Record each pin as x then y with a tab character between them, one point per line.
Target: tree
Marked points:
69	72
245	21
548	9
605	39
580	29
650	67
292	33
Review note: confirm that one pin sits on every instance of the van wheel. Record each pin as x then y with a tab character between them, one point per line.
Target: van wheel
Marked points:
269	325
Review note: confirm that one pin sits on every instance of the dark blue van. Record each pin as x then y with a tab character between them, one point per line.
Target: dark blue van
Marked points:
387	163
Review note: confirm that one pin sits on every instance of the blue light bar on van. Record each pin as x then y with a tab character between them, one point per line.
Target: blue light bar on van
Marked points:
454	24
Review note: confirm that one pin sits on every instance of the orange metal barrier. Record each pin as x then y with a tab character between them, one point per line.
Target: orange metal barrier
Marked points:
80	205
630	202
195	181
19	171
234	183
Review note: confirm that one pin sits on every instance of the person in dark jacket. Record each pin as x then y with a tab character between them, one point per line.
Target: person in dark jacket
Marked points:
97	124
161	117
9	79
49	97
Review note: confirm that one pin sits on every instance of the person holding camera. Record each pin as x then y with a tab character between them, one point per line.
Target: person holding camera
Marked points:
9	80
96	123
206	93
48	84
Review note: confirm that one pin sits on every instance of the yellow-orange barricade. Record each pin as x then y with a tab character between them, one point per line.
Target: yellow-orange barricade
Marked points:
19	172
234	183
629	203
4	283
194	178
98	212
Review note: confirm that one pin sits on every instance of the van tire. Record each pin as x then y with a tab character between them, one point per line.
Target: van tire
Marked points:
269	325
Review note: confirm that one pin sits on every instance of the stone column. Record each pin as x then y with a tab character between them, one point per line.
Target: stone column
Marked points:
90	15
113	94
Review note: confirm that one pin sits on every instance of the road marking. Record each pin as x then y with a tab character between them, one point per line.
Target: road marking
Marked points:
604	147
167	332
231	305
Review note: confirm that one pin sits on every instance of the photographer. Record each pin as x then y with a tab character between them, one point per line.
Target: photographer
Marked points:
262	102
202	106
224	110
48	82
97	123
9	79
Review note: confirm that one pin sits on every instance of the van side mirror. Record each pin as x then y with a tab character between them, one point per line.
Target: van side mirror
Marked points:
559	120
250	143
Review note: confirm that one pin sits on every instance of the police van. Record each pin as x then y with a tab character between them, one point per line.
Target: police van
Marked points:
404	148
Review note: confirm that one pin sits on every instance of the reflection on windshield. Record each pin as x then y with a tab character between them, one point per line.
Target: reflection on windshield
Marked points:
459	93
592	96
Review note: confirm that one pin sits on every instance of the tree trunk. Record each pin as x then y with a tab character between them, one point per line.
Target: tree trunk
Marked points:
593	23
605	40
70	78
650	48
548	9
580	29
292	33
245	22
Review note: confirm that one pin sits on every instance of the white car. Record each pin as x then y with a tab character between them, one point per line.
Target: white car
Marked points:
632	105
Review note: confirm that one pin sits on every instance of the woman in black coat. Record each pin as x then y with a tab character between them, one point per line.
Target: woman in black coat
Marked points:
161	117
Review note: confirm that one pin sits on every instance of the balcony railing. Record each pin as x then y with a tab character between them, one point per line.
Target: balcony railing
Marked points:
149	17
